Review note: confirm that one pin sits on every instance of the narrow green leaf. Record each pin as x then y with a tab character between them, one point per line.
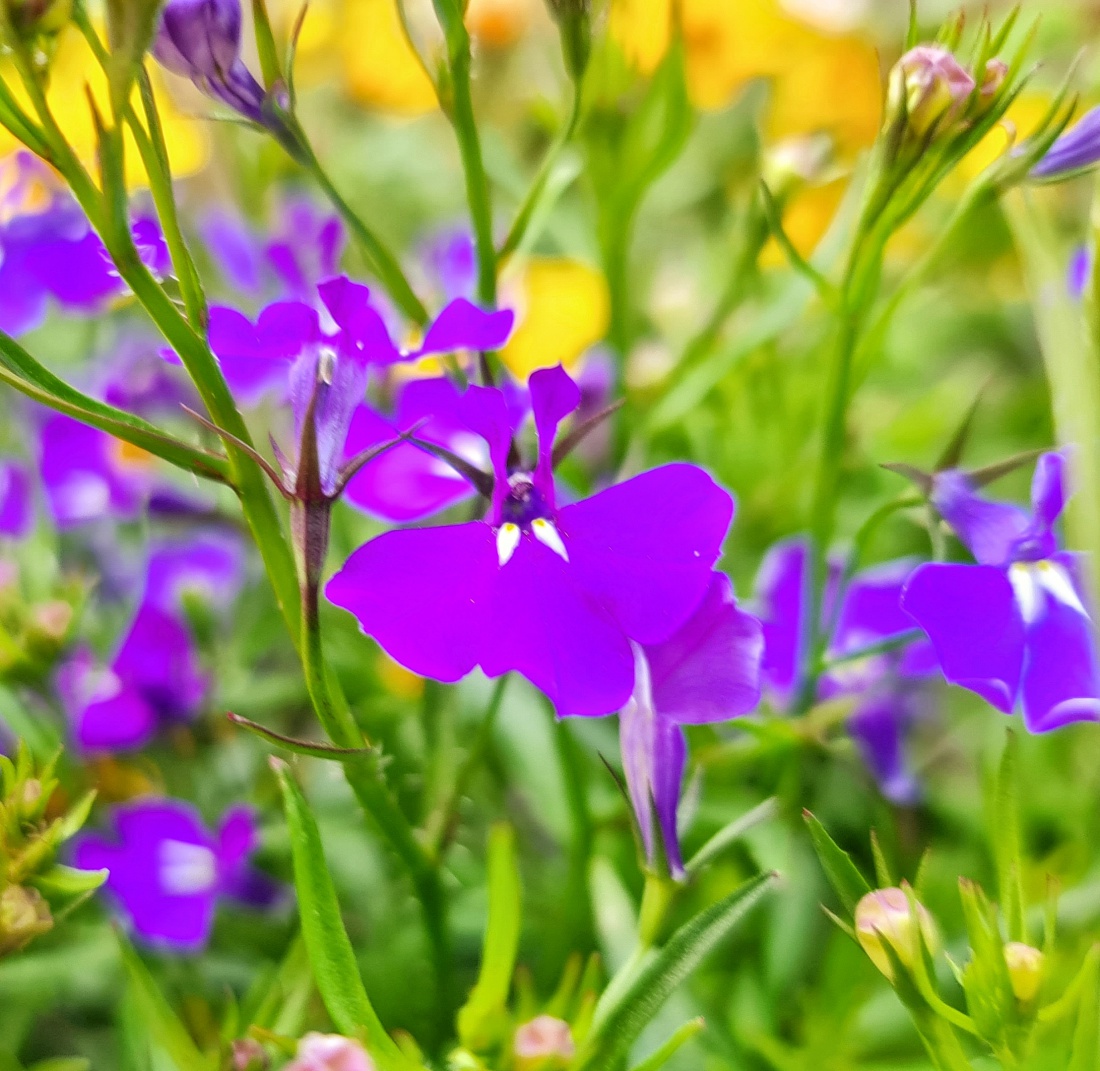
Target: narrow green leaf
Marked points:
731	833
65	888
1086	1035
488	1000
843	874
666	1051
882	869
1006	839
300	747
159	1021
617	1026
330	953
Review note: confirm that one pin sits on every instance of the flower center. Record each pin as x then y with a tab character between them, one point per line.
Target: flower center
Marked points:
186	869
1031	581
525	509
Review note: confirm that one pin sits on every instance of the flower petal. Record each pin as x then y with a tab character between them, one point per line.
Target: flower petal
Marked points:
554	396
709	669
971	617
158	659
646	547
486	411
782	605
542	622
879	728
1061	678
463	326
420	592
991	530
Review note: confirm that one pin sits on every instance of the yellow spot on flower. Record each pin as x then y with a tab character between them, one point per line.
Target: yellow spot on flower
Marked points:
398	681
563	308
380	67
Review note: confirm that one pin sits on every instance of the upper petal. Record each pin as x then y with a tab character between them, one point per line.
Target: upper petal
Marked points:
709	669
419	592
646	547
544	624
463	326
782	605
971	617
554	396
990	529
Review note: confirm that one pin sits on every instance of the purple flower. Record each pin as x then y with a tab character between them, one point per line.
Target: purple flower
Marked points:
707	671
886	685
1077	275
556	593
450	259
153	679
1076	150
167	872
201	40
134	377
88	474
16	508
1014	627
210	566
304	250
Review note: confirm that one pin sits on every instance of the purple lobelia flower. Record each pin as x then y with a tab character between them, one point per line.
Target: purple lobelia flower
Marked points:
201	40
556	593
886	686
707	671
16	507
303	250
167	871
209	567
1078	149
1014	627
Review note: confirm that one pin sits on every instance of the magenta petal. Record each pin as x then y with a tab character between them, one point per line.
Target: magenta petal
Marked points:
991	530
544	624
645	548
636	747
362	324
782	603
971	616
1061	674
1048	490
237	837
158	658
709	670
419	593
119	722
667	777
485	410
553	397
463	326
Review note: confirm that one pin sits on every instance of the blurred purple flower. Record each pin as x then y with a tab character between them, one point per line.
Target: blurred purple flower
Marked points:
886	685
1077	275
135	377
1076	150
201	40
1014	627
303	250
16	506
210	566
707	671
450	260
167	872
554	593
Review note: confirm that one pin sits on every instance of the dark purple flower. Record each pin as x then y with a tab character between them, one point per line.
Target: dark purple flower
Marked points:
167	872
153	679
304	249
16	507
886	685
210	566
135	377
1076	150
1014	627
1077	275
201	40
450	259
707	671
554	593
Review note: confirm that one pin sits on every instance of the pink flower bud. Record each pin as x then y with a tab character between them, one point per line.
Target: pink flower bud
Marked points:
330	1052
544	1038
931	86
996	71
884	916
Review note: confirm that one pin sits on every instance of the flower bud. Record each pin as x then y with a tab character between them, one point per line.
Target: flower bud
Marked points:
884	916
1025	970
248	1055
928	86
39	17
797	161
330	1052
542	1039
24	915
996	71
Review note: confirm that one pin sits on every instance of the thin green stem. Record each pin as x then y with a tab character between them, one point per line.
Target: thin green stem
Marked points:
381	260
531	202
580	849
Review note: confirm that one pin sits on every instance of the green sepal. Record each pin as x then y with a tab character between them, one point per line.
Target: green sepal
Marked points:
843	874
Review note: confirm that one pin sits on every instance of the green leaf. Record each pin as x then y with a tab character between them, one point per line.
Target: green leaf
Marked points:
330	953
666	1051
62	1063
300	747
488	1000
158	1020
1086	1035
843	874
65	888
633	1007
1006	839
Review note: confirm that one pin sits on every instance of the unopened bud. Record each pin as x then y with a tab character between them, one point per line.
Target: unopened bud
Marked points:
32	18
929	86
542	1039
994	77
885	916
248	1055
330	1052
797	161
51	620
1025	970
575	24
24	915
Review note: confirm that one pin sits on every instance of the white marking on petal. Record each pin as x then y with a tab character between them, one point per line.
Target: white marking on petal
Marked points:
548	536
1058	584
508	536
186	869
1026	589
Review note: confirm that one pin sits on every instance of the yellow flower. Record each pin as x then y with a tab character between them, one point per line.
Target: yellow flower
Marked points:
397	680
73	69
562	308
500	23
820	81
1025	114
380	67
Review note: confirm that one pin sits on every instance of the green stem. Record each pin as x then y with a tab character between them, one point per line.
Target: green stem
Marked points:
378	255
581	918
533	199
469	147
